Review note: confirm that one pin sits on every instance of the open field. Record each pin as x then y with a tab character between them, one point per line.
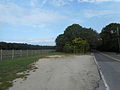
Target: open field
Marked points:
11	69
58	72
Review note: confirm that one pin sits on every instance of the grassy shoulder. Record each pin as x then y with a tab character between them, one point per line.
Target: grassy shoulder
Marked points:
9	69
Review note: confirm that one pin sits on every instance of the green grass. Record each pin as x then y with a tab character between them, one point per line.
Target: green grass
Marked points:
9	69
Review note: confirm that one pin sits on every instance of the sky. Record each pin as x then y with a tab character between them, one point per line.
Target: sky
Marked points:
39	22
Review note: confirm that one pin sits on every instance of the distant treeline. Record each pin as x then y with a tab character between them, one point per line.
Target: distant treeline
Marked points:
22	46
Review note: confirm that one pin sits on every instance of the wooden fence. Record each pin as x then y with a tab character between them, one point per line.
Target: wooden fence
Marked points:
12	54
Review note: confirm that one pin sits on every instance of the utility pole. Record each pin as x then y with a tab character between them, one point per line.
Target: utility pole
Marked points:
118	39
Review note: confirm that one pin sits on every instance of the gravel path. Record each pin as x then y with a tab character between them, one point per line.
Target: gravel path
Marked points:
63	73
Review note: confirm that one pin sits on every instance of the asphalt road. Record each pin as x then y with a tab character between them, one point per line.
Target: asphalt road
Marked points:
110	67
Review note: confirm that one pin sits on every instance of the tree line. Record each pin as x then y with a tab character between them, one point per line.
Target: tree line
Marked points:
77	39
80	39
110	38
22	46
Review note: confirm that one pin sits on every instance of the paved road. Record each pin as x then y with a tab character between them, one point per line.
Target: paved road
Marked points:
110	68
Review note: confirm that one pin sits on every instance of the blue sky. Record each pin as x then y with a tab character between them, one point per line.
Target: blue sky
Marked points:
41	21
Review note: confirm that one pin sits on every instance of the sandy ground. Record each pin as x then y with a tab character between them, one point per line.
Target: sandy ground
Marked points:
63	73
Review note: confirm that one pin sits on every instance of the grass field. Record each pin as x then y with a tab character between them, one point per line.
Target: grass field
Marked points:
9	69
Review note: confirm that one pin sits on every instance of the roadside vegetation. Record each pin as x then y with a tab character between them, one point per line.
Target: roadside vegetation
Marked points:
110	38
78	45
78	39
16	68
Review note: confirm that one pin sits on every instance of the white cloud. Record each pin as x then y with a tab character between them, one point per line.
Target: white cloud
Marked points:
97	0
33	3
93	13
13	14
67	2
44	2
53	2
60	2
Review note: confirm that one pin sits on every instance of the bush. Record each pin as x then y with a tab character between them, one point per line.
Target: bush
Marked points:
80	45
68	48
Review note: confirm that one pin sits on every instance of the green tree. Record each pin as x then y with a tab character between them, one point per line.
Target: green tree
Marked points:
77	31
80	45
110	37
68	48
60	42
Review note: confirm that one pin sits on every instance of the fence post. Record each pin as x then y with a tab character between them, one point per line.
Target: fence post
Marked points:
13	54
27	53
21	53
1	54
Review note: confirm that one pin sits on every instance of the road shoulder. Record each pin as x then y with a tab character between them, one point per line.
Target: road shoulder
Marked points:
102	85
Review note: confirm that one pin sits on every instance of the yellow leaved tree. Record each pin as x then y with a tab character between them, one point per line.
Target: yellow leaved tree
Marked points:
80	45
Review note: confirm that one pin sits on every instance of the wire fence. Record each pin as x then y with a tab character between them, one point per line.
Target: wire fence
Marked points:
12	54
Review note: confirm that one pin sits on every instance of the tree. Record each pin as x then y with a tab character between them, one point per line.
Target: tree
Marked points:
77	31
68	48
80	45
110	37
60	42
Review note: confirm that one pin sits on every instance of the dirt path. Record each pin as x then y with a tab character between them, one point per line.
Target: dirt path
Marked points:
63	73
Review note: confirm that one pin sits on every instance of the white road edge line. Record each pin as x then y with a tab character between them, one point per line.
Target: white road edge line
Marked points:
102	76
